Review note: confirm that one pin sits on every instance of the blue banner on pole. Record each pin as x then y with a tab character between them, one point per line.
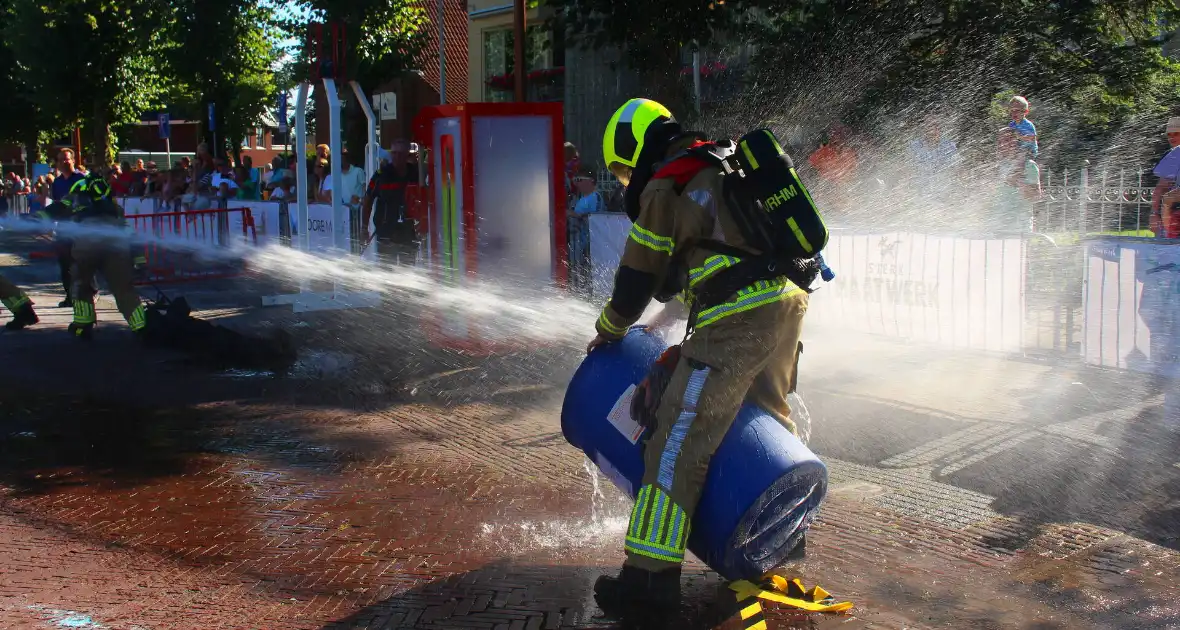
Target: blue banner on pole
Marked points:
283	112
212	125
165	126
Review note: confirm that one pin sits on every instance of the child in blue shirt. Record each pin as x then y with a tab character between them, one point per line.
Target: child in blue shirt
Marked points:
1026	131
589	201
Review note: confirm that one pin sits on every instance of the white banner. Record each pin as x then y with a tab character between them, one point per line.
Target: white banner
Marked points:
1132	305
138	205
266	221
956	292
320	231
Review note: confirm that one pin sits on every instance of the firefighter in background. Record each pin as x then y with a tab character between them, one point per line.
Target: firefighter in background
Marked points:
90	204
19	303
67	175
745	323
385	202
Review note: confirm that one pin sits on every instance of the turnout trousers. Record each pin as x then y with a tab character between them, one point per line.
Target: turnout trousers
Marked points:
750	355
113	261
396	250
65	264
11	295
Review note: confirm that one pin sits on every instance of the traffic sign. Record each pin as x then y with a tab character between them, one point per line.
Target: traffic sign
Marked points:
212	125
165	126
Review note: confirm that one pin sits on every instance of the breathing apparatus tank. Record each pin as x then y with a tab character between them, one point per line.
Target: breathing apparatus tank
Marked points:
763	489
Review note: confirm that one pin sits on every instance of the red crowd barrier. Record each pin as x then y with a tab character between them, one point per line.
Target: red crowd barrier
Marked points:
195	233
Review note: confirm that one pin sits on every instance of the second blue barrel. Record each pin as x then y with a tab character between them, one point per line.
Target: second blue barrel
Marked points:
764	486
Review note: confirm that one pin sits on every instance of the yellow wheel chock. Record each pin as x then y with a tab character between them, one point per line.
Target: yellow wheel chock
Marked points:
776	588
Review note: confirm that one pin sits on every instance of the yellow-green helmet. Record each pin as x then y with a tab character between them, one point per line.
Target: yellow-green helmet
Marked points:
623	141
93	186
80	187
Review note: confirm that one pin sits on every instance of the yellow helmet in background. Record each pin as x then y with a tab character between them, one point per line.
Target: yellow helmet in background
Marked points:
623	141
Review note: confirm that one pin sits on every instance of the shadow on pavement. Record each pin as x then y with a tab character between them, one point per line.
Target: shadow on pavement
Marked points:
1091	453
53	442
507	596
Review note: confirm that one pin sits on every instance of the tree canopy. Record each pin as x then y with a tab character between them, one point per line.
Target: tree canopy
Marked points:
86	60
223	52
100	64
383	39
20	118
1093	67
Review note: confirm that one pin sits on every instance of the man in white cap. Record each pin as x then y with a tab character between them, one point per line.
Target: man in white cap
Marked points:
386	204
1165	221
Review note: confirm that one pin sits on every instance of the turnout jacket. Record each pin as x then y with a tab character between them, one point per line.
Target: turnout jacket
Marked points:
682	205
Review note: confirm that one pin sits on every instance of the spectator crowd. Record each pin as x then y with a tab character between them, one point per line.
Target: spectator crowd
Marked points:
197	183
856	179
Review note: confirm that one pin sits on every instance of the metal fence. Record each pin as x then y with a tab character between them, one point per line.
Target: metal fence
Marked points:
1076	205
14	205
1104	201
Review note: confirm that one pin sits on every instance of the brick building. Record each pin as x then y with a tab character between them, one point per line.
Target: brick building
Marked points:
262	143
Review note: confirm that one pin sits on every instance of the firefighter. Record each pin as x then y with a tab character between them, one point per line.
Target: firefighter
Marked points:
743	342
67	175
20	305
396	236
90	204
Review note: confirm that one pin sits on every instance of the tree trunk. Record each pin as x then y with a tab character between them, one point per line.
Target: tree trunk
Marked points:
32	151
102	155
224	143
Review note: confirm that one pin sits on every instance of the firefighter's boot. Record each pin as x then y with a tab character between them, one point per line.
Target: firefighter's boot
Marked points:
85	332
22	317
84	319
639	598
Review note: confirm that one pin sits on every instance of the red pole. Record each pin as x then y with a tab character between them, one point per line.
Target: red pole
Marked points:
77	147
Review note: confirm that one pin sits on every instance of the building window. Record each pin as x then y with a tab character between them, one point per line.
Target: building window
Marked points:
498	49
258	139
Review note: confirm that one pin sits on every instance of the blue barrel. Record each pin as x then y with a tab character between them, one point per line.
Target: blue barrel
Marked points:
764	486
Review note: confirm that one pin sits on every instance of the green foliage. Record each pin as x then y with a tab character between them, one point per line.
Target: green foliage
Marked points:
103	64
86	60
383	40
1090	67
223	52
384	37
19	118
651	33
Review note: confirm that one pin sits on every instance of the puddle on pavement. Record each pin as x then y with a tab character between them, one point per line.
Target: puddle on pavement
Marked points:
311	364
66	618
523	536
605	527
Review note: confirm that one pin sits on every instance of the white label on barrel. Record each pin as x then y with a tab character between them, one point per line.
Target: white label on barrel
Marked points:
620	417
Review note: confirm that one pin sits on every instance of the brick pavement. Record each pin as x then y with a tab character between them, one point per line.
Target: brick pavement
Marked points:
438	493
257	522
